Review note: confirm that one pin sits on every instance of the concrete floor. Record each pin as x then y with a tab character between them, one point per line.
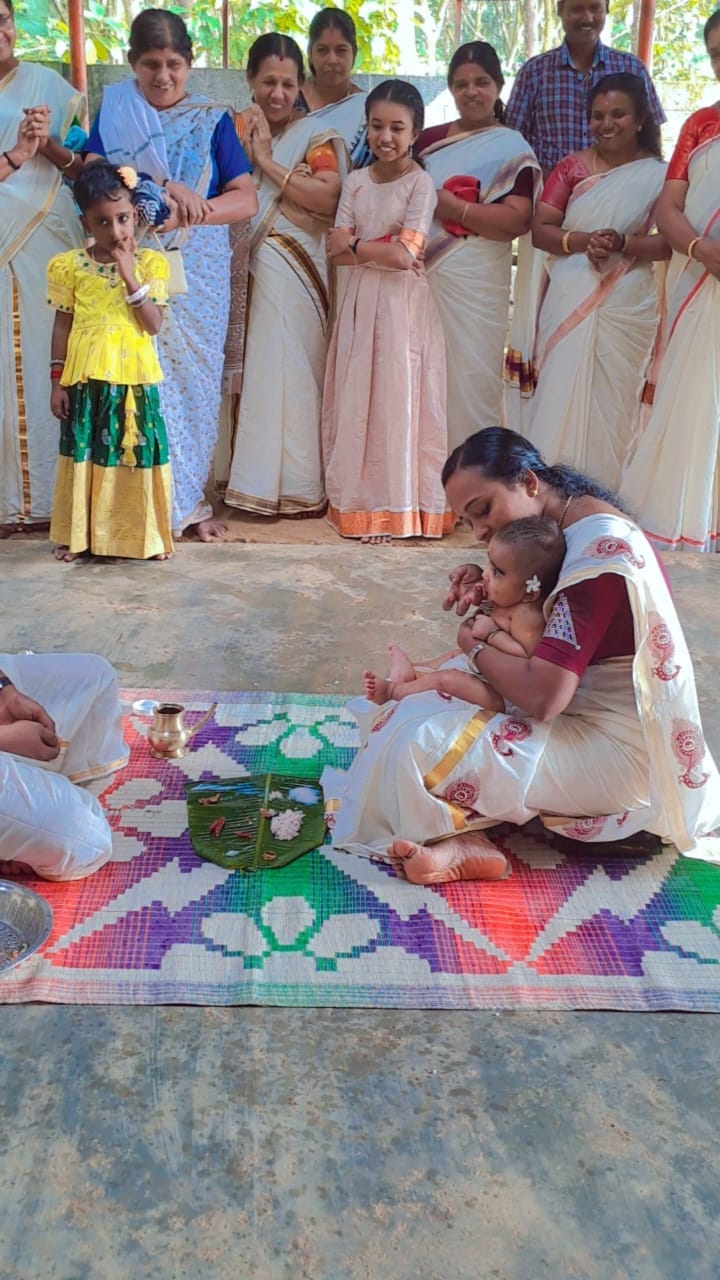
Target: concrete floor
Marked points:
260	1144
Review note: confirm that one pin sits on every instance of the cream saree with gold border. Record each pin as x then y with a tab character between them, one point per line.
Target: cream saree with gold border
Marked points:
37	221
627	755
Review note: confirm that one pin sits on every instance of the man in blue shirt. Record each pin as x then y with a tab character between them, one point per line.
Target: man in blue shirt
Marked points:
548	103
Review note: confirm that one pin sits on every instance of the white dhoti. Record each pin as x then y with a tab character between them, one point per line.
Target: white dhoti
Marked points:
47	822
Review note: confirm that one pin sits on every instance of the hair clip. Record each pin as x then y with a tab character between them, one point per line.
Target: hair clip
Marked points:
533	584
128	176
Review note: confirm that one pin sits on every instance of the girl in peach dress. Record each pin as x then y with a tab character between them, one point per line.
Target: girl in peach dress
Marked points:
384	421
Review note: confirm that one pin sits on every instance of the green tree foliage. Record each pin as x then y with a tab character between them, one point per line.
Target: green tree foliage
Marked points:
416	36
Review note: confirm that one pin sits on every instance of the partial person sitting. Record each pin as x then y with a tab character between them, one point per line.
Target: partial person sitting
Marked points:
71	734
524	561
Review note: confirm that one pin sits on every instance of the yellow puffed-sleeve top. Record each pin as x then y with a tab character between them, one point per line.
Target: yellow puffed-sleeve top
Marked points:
106	341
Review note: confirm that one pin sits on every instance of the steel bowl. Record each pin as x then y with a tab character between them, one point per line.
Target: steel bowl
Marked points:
25	923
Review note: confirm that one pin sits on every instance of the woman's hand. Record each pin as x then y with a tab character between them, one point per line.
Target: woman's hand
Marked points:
601	245
260	137
38	122
191	208
30	739
337	241
466	589
448	207
465	637
59	404
707	252
15	705
26	145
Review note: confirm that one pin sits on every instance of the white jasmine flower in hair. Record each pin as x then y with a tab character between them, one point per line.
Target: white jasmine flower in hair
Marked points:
286	825
533	584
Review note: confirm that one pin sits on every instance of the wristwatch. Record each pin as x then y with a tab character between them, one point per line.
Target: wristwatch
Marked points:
353	245
476	649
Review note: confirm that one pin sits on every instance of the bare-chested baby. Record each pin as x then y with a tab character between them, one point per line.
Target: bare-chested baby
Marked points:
524	560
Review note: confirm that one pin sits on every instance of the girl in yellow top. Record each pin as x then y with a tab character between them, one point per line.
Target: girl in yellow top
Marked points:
113	488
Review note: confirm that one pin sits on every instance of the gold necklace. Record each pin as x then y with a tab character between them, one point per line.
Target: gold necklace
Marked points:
564	511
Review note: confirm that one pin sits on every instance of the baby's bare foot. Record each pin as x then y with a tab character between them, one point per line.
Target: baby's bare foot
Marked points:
401	668
376	689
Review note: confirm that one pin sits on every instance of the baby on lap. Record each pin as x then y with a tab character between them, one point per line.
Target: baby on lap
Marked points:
524	561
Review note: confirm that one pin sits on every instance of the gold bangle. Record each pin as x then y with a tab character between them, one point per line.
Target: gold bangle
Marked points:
64	167
566	242
285	180
689	251
463	215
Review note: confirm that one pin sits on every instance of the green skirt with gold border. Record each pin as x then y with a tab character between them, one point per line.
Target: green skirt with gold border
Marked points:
113	484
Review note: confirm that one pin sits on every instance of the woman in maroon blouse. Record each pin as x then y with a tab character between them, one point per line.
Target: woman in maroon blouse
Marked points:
601	735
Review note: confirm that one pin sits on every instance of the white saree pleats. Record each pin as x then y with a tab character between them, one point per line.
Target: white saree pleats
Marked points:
471	288
595	330
276	467
29	434
590	380
672	482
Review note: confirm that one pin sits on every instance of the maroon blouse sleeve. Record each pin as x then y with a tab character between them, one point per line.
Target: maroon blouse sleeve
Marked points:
588	618
428	136
690	136
523	184
562	182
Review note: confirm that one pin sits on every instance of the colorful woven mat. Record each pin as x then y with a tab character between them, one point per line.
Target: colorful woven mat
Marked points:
572	928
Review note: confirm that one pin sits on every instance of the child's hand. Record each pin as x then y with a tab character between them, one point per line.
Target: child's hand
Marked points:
481	625
59	402
124	259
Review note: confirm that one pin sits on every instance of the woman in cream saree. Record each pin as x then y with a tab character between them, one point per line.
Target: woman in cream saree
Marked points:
276	466
598	315
673	479
469	275
37	221
610	745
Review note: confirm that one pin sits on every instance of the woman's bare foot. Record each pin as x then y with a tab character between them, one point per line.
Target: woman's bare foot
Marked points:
467	857
211	530
67	556
377	540
163	555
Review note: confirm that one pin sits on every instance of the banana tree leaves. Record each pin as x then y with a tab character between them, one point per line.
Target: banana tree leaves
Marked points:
255	823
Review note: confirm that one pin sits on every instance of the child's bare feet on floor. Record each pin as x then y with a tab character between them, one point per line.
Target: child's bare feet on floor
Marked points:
377	540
